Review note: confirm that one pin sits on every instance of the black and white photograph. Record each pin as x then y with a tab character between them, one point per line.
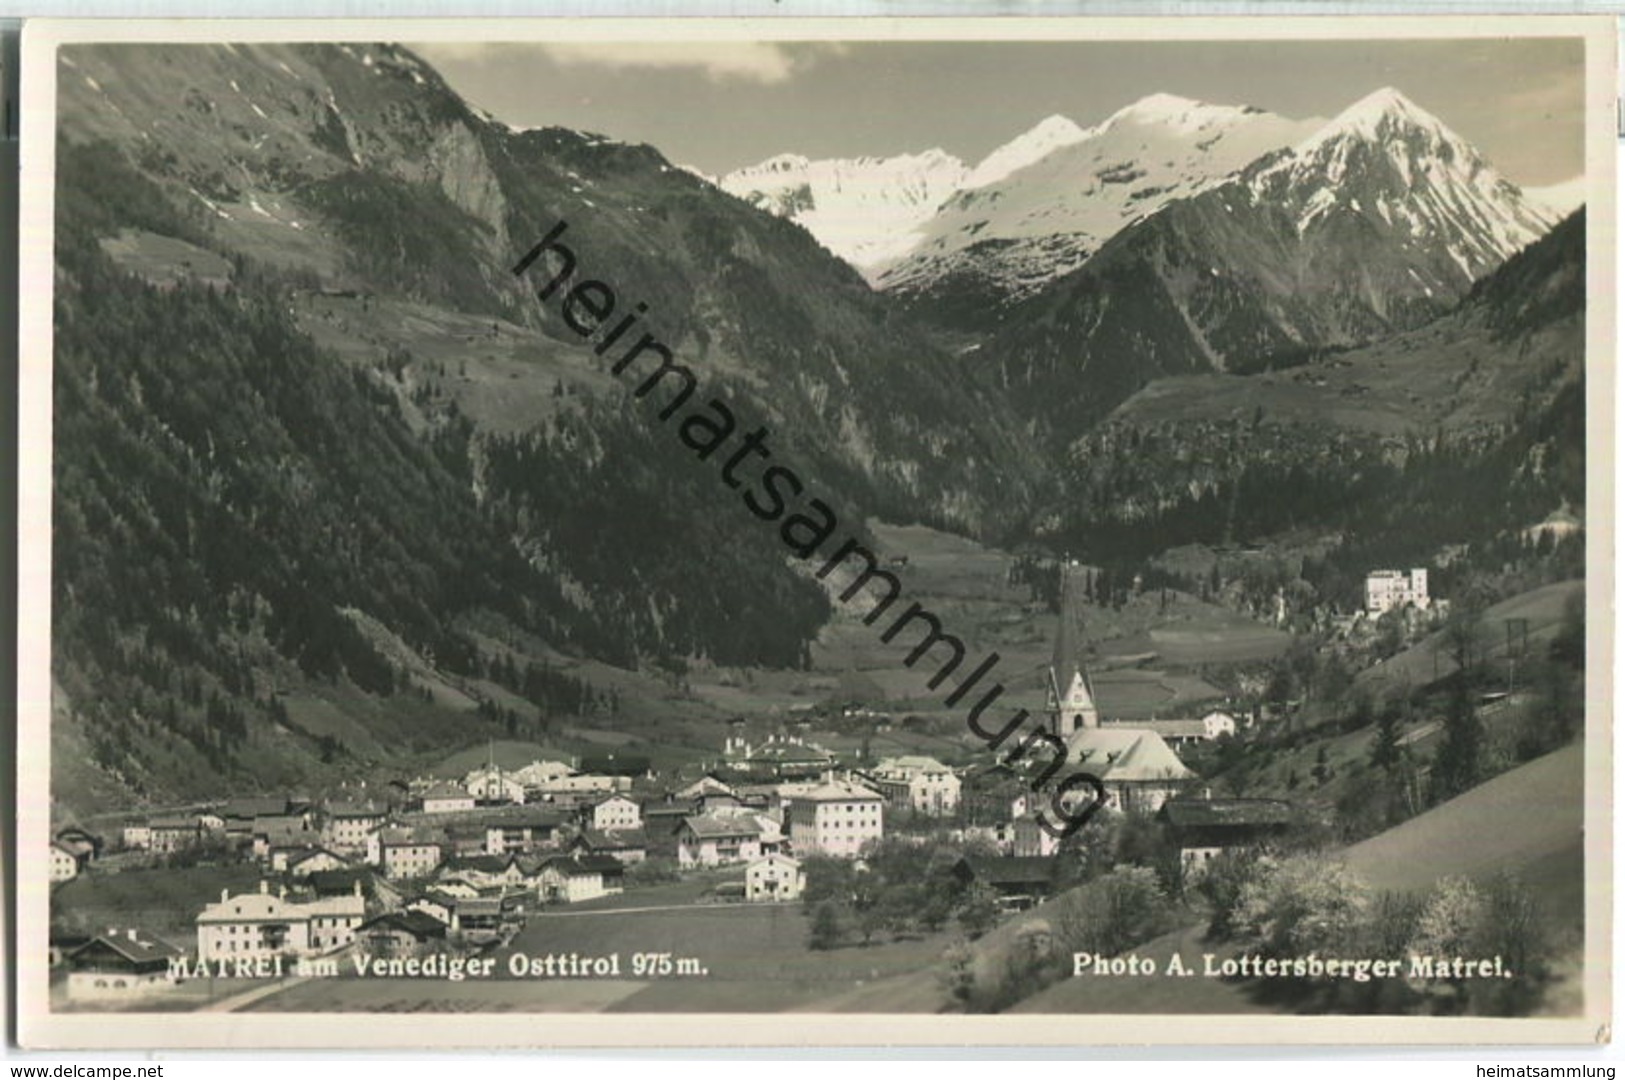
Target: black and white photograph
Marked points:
723	531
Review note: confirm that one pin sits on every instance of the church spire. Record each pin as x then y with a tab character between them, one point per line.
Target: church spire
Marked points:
1071	694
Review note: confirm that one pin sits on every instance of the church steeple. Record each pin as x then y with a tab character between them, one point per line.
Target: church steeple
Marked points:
1071	694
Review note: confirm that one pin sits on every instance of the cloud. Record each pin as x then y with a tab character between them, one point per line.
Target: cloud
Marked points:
719	61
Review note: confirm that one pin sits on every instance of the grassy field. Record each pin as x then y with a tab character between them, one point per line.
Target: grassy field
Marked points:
755	958
1527	821
1531	818
162	902
1429	659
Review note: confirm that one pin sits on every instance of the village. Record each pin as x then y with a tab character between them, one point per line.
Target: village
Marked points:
435	876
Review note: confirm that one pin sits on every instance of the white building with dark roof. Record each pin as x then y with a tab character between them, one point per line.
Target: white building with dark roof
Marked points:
64	863
120	964
774	877
720	839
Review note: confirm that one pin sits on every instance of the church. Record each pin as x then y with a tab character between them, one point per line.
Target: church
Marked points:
1139	770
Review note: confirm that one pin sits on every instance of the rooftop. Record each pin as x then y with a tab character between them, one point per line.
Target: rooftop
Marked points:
1189	813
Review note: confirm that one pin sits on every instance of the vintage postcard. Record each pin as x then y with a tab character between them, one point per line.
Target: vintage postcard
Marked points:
816	532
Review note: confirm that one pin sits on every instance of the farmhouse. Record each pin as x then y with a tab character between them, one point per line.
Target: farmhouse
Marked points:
834	818
84	846
446	798
784	757
327	883
1177	732
283	859
401	933
171	834
1030	839
539	774
281	831
562	879
612	812
120	964
774	877
1202	828
704	785
922	784
435	904
718	839
520	828
484	871
240	814
625	846
64	864
1020	882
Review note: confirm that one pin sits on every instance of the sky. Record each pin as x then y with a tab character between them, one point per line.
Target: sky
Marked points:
716	106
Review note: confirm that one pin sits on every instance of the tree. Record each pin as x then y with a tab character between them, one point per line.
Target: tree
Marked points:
979	910
1114	913
825	932
1385	749
1459	762
1300	905
1569	644
1464	638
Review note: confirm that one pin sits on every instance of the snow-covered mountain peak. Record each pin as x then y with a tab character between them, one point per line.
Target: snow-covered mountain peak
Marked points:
1034	144
863	209
1179	114
1385	106
1403	128
1043	219
1393	163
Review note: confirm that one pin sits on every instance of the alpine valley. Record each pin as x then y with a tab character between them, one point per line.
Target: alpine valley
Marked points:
336	495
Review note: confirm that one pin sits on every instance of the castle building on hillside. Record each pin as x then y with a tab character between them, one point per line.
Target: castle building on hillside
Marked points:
1135	765
1389	589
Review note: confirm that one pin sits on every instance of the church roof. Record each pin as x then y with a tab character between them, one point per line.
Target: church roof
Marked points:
1126	754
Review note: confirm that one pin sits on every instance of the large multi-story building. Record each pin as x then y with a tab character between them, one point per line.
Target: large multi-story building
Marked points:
262	924
1389	589
834	818
346	826
404	852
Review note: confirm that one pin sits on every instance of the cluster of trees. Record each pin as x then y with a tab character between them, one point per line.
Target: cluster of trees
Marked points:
1124	907
663	550
1134	492
441	257
1300	905
229	500
901	888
